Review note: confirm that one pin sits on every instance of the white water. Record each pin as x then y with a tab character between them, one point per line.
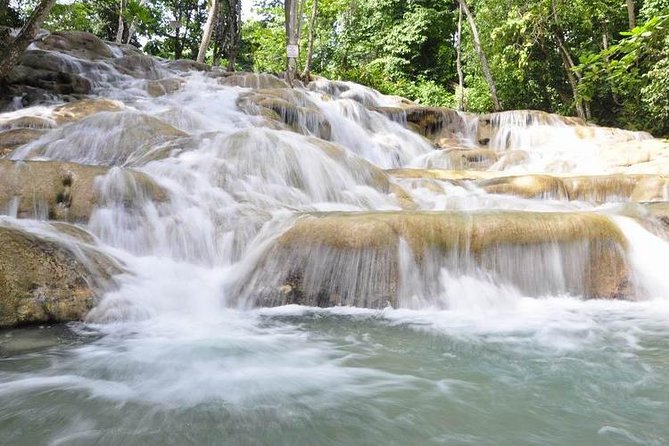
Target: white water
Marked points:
172	356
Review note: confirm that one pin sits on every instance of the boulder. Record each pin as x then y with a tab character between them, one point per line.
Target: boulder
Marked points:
139	66
433	122
77	110
11	139
186	65
162	87
488	125
62	191
54	82
292	107
82	45
45	280
527	186
372	259
460	159
254	80
27	122
105	138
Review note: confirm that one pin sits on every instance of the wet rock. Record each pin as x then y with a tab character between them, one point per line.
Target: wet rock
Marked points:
43	280
254	80
139	66
432	122
54	82
488	125
636	156
469	159
104	138
510	158
440	174
370	259
162	87
186	65
27	122
11	139
651	188
292	107
461	159
61	191
75	111
527	186
82	45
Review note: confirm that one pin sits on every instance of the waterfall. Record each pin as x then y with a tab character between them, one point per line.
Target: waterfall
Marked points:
281	194
324	264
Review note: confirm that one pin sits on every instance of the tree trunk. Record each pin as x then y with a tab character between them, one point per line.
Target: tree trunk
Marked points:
291	9
234	31
458	63
310	43
631	16
11	54
206	32
119	30
573	83
573	77
484	61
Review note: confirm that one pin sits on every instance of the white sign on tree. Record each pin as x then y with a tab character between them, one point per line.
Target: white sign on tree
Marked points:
292	50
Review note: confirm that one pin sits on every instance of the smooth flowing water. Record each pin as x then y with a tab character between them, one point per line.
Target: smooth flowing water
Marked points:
181	350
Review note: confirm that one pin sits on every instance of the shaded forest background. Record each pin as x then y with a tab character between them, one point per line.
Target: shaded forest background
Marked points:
604	60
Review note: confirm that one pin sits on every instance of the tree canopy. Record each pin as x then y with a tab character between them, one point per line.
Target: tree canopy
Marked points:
605	60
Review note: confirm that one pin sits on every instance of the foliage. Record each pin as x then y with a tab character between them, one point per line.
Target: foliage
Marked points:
635	73
552	55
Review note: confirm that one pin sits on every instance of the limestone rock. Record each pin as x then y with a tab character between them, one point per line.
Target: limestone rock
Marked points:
292	107
186	65
528	186
11	139
162	87
463	159
105	138
254	80
44	281
27	122
435	123
82	45
440	174
54	82
139	66
369	259
75	111
60	191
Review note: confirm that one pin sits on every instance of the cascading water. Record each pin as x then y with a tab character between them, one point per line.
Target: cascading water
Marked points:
234	194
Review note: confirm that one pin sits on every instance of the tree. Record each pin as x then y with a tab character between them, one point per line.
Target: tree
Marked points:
631	15
206	32
119	31
292	36
458	62
481	54
227	33
12	52
310	42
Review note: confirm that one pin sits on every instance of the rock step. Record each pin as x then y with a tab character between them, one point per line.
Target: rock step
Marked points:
369	259
56	190
593	188
49	279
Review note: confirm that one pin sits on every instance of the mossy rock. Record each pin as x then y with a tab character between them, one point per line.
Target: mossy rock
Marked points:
44	281
62	191
356	259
